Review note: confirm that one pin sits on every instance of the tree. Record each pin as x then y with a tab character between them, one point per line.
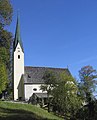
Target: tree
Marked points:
66	100
50	83
87	87
88	82
63	88
4	55
3	77
6	39
5	13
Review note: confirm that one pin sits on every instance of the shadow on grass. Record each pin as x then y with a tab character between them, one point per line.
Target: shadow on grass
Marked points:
16	114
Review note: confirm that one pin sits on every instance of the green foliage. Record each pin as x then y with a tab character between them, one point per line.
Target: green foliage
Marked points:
3	77
5	12
5	37
64	90
87	86
50	83
5	47
88	82
4	55
66	100
5	42
85	114
5	51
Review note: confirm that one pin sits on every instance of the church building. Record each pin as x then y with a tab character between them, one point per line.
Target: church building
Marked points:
27	79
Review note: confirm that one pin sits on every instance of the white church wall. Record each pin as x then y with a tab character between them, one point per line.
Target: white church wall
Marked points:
18	69
30	89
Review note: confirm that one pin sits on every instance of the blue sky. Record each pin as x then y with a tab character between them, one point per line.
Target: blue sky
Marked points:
58	33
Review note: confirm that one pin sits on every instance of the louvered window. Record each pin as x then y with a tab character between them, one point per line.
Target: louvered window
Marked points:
18	56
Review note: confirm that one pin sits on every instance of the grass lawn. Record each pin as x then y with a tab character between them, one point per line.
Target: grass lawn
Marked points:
17	111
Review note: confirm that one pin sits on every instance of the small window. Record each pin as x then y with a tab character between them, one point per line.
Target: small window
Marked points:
35	89
18	56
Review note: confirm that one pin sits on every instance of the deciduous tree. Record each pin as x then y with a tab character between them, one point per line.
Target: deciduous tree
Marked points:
6	38
5	13
88	82
50	83
66	99
3	77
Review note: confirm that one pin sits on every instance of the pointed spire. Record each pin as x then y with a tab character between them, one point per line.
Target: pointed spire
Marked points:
17	35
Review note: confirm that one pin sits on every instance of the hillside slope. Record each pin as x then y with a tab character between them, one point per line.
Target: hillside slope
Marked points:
18	111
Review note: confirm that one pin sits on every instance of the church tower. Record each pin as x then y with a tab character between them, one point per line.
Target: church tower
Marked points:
18	63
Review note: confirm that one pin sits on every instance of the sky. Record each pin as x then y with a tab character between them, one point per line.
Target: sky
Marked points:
58	33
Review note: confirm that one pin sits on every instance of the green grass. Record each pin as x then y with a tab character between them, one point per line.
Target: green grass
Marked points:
17	111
